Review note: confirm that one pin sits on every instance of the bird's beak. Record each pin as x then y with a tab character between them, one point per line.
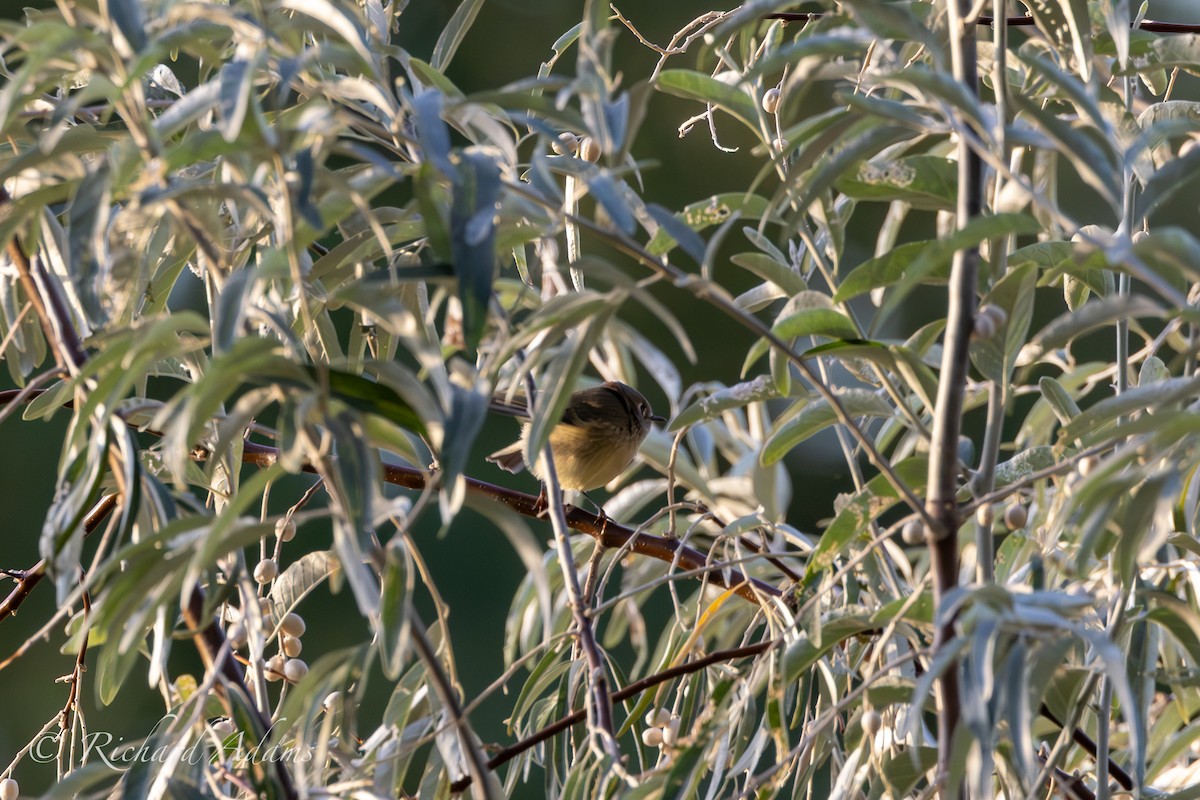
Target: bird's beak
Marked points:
656	418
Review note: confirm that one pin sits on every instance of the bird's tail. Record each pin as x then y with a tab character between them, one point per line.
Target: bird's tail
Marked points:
510	458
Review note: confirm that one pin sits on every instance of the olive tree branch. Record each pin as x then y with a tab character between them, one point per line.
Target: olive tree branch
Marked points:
942	483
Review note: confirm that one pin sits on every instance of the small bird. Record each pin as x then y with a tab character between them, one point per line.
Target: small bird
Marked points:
598	437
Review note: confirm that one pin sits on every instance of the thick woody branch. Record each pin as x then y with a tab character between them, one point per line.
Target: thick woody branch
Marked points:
942	482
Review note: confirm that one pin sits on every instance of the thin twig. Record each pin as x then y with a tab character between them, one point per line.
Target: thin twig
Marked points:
600	726
633	689
441	685
33	576
1147	25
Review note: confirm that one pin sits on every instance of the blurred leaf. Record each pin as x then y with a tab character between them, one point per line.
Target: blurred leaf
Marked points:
468	411
299	579
130	21
88	218
690	85
453	34
338	20
706	213
76	491
1177	174
1152	370
857	513
395	609
1092	157
1067	25
901	359
996	355
677	232
236	80
610	195
1075	292
1064	406
916	262
810	314
368	397
767	268
923	181
472	239
1159	394
835	628
886	270
1178	50
432	132
737	396
818	415
1067	327
941	252
847	155
1024	464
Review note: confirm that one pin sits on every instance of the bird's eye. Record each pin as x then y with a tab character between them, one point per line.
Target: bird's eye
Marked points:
644	409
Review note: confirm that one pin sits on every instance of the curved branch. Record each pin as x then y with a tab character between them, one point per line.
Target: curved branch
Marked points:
602	529
33	576
637	687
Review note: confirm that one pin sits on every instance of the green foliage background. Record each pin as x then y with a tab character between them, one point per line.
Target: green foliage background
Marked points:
1041	627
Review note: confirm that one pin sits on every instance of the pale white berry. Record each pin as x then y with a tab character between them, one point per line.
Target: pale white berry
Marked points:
266	570
872	721
293	625
295	670
670	732
1015	517
274	668
999	315
567	144
223	727
652	737
589	149
913	532
291	646
285	529
779	145
237	635
9	789
770	100
1140	236
984	327
662	718
331	702
1088	465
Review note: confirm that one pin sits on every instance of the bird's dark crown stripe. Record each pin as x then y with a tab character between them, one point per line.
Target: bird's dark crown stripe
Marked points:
626	401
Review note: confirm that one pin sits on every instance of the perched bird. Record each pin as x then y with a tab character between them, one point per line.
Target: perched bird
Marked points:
598	437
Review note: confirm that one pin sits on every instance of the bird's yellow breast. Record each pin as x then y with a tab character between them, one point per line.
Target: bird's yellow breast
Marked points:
585	458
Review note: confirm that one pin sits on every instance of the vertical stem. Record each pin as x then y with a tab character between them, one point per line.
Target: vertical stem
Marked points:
942	504
986	478
1123	278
